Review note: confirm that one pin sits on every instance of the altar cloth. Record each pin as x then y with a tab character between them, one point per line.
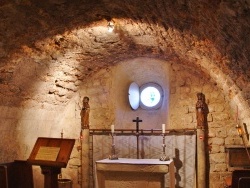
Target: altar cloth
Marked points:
136	161
139	173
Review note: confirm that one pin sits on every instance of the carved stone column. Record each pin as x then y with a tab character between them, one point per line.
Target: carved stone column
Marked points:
201	150
85	159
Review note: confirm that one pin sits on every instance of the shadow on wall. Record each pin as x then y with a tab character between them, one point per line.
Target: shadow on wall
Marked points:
178	164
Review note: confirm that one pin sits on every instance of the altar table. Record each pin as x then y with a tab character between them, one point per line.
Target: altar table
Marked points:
134	173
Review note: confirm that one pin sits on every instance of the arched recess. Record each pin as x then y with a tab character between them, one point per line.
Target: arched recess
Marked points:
38	69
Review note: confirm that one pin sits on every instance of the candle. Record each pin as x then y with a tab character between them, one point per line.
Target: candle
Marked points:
112	128
163	128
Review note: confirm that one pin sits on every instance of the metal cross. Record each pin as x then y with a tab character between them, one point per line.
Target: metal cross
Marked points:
137	120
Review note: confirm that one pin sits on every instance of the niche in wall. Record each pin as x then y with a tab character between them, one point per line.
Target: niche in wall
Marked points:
141	71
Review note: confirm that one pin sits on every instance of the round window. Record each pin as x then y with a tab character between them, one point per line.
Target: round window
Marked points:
148	96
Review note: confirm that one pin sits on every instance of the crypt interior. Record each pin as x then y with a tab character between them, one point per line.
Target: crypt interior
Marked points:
56	52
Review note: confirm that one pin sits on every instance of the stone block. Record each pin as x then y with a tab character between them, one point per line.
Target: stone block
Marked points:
233	141
218	157
220	167
217	141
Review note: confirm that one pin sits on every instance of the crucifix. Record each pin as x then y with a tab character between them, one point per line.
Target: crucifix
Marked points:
137	120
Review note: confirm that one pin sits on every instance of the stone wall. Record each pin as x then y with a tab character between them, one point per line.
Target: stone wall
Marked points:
221	124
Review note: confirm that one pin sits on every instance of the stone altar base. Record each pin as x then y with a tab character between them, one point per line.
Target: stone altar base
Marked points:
134	173
136	180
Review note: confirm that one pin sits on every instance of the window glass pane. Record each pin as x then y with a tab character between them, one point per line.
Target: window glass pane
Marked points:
150	96
134	96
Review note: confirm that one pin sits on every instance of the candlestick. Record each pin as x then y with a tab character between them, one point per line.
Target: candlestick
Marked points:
60	175
163	157
163	128
237	114
113	156
112	128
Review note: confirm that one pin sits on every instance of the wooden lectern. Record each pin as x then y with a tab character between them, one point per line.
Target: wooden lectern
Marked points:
51	154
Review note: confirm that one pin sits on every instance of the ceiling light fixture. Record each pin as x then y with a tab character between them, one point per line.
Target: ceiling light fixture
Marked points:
111	26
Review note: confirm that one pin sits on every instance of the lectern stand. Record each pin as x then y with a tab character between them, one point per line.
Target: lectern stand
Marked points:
51	154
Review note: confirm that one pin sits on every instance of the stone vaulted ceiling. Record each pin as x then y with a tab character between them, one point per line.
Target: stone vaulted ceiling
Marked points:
48	48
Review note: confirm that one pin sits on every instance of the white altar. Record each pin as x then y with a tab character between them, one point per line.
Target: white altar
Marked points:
136	173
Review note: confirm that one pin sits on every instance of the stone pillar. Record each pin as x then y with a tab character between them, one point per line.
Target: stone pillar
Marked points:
85	175
201	159
201	117
85	159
